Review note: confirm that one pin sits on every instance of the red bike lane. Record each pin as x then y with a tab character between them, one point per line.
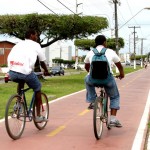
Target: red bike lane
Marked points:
70	125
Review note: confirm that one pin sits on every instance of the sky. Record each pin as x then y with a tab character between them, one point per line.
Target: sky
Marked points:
130	13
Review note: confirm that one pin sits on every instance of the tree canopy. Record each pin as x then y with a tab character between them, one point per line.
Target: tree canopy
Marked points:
51	27
85	44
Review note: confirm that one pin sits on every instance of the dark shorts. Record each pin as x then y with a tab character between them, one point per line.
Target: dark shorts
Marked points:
31	79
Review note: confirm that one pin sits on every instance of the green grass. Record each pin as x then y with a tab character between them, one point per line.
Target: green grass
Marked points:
129	69
54	87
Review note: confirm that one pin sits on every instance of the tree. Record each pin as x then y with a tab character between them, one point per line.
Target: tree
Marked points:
85	44
138	57
59	61
52	28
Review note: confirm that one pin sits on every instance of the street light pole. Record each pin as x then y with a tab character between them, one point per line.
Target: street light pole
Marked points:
142	51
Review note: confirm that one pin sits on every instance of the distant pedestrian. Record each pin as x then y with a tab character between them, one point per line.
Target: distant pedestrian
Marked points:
145	64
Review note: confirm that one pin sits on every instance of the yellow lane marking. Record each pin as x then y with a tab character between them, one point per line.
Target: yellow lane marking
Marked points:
84	112
123	85
60	128
130	81
56	131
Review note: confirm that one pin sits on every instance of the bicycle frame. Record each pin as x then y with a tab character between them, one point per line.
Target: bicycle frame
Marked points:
28	109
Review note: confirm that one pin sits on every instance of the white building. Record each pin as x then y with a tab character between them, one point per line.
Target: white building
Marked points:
58	50
125	57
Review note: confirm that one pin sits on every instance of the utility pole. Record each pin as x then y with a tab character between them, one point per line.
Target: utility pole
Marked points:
116	27
76	49
134	45
116	24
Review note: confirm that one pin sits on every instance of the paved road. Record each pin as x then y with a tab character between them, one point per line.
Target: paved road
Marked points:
70	124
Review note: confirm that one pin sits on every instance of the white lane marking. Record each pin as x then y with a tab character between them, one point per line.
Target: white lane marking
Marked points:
58	99
142	127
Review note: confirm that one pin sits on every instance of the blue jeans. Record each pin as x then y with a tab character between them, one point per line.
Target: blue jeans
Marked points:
110	88
31	79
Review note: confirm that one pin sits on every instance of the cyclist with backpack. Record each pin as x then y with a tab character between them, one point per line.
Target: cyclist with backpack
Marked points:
97	64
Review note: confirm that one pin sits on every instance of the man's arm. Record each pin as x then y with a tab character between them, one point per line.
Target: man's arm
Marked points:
43	65
121	71
87	67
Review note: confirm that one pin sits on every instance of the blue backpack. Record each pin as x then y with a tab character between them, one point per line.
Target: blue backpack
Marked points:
99	69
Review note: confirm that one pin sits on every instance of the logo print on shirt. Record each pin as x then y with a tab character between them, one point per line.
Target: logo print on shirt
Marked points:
12	63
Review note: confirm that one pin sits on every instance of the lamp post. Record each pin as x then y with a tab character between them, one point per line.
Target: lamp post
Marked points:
142	51
148	8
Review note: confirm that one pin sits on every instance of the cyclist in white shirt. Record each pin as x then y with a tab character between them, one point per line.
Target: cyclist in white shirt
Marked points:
21	61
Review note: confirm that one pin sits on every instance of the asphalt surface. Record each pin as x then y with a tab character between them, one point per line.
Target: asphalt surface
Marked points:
70	125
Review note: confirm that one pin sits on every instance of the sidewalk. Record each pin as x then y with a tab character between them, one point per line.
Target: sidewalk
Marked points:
70	125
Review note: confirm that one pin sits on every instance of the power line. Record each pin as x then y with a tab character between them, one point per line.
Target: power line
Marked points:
66	7
47	7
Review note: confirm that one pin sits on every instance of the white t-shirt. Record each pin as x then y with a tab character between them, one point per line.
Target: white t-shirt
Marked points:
23	56
111	55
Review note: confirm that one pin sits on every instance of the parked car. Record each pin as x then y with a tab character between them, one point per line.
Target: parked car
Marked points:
57	70
7	77
127	63
80	66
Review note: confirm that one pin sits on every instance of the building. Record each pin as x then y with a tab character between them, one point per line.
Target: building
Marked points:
124	57
5	48
58	51
54	51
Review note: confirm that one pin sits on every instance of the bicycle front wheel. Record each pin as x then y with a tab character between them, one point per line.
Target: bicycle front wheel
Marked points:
97	122
44	111
15	117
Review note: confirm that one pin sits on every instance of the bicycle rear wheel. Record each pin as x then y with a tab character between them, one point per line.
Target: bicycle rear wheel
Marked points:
44	110
15	117
97	122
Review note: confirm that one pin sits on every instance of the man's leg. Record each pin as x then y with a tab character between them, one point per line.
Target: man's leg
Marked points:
34	83
90	92
113	112
38	102
113	93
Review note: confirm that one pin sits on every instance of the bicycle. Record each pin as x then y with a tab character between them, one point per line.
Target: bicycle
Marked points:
18	112
100	113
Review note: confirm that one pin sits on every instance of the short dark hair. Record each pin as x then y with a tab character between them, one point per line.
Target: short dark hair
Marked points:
29	32
100	39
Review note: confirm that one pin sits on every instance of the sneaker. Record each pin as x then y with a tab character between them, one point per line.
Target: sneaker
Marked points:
40	119
91	106
115	123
